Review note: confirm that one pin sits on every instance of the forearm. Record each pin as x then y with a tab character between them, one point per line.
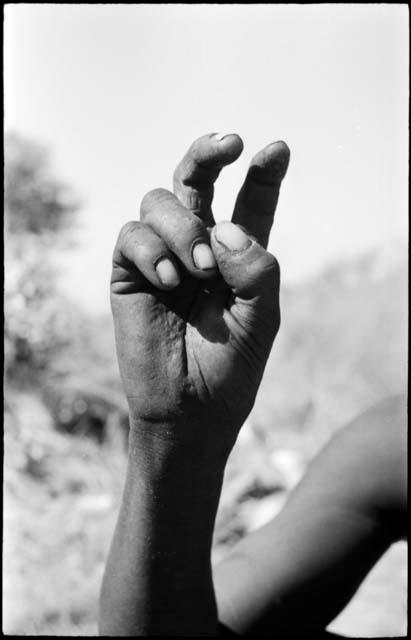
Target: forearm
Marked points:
158	574
300	570
297	573
196	310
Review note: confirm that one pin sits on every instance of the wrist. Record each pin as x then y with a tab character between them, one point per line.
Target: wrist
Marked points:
163	541
175	477
201	448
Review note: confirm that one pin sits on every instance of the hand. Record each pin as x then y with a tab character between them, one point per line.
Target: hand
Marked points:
195	310
196	304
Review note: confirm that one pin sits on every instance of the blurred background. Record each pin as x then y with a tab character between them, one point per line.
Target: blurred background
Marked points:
101	101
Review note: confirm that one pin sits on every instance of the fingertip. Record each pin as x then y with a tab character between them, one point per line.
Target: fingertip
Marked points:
225	148
231	237
281	147
203	257
280	152
271	163
230	140
167	273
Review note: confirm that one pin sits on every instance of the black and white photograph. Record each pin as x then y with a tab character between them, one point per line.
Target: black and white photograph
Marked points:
206	249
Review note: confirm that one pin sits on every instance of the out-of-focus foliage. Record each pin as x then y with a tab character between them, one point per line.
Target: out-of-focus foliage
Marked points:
37	206
341	348
83	390
51	344
36	315
35	200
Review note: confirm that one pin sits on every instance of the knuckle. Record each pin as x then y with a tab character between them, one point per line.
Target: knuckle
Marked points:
195	227
127	237
270	282
152	199
271	289
271	266
178	174
275	266
197	147
128	228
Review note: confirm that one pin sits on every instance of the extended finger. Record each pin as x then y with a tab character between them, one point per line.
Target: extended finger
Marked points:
257	200
182	231
194	177
141	255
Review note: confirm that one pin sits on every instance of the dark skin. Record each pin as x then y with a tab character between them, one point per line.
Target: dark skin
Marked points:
298	572
196	311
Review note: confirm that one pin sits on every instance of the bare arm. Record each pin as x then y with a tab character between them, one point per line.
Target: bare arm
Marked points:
158	575
299	571
196	310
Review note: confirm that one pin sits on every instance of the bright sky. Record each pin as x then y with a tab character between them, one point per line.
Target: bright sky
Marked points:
118	92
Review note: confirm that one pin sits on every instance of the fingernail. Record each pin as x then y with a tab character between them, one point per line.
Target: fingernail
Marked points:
220	136
232	237
203	257
167	273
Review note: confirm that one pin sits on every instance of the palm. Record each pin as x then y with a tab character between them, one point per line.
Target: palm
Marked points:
196	349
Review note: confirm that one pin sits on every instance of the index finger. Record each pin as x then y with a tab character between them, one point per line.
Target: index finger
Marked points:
195	175
257	200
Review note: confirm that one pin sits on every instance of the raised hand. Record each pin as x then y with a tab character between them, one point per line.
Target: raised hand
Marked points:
196	304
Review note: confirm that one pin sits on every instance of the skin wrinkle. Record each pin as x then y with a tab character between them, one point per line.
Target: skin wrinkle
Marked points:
199	200
204	385
207	318
201	178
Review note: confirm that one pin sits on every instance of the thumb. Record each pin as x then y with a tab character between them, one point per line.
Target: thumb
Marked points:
251	272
